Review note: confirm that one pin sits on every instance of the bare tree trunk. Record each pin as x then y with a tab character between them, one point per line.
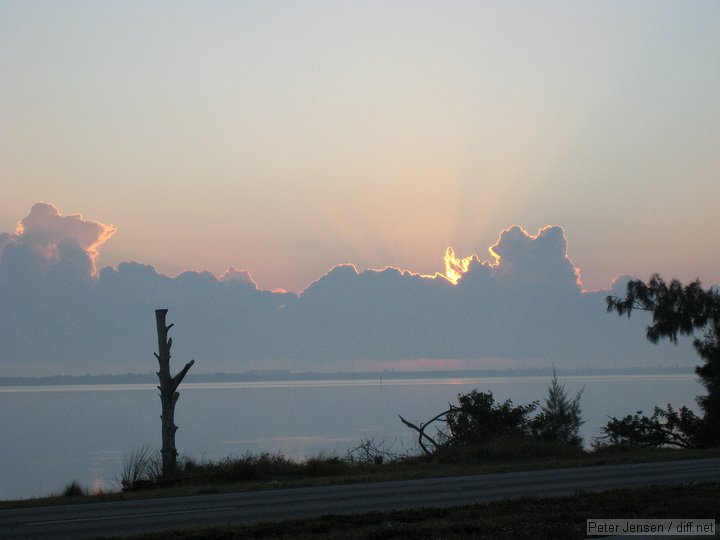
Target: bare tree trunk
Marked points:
168	394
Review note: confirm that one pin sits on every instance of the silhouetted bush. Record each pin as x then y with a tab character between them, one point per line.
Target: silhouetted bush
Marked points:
503	449
665	428
481	428
479	419
73	489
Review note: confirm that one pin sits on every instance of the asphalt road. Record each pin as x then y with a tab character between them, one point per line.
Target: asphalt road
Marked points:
123	518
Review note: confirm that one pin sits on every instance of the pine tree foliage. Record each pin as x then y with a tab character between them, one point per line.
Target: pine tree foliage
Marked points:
683	310
560	418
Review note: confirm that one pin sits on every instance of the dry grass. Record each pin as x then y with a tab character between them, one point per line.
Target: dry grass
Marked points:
268	471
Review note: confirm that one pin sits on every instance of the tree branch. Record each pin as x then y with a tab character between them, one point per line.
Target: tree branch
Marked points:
177	379
421	430
421	434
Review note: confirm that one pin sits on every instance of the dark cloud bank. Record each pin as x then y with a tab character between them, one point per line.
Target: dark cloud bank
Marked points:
523	308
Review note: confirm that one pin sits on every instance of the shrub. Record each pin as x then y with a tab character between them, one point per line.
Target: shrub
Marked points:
370	451
665	428
73	489
479	419
326	466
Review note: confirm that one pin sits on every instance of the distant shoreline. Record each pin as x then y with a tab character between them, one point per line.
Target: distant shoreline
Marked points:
282	375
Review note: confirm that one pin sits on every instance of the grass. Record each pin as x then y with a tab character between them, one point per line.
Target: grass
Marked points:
141	468
267	471
249	468
524	518
263	471
551	518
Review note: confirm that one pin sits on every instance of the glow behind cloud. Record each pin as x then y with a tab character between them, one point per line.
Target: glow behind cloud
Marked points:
44	229
287	137
521	309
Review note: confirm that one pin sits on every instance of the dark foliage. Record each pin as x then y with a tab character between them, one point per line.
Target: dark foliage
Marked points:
73	489
560	418
479	419
683	310
479	429
665	428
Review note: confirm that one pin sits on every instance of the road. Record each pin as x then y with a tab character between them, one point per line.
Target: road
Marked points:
123	518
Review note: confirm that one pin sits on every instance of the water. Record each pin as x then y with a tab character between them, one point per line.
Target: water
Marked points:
51	435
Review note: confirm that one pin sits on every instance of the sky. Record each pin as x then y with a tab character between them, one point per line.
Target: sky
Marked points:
287	137
284	138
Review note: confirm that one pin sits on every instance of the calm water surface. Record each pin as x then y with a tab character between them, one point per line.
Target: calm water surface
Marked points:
51	435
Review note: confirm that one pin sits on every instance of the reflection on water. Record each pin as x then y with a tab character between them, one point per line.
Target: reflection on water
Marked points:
344	382
52	435
101	462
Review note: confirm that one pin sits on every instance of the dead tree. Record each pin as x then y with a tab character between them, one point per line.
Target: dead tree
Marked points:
421	430
168	394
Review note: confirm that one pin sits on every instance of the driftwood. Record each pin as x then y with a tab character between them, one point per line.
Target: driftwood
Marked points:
421	430
168	393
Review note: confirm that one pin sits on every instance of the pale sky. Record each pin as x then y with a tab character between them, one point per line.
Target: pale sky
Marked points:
287	137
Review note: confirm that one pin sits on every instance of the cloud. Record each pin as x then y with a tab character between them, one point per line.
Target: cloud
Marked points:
520	260
45	231
5	240
521	306
241	278
527	260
